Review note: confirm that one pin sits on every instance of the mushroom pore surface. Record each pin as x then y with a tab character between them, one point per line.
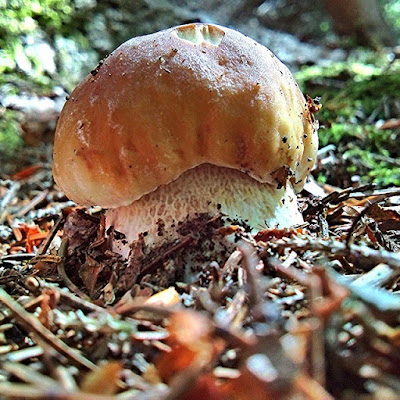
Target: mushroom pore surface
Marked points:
206	189
200	108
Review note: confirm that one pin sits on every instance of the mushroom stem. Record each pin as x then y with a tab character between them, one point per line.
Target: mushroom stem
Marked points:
205	189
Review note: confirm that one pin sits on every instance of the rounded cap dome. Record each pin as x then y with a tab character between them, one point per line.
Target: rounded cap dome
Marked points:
164	103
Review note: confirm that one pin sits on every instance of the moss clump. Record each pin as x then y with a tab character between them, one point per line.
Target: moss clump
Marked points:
357	97
10	133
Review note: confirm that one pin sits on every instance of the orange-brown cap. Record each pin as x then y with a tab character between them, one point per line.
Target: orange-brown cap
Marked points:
164	103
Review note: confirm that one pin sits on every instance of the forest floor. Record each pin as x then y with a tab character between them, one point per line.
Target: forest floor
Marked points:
308	313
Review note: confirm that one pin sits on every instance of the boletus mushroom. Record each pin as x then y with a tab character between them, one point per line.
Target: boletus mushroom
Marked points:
193	119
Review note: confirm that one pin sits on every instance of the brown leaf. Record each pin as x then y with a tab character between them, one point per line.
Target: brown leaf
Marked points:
380	214
89	273
27	172
190	341
390	124
80	229
205	388
166	298
267	234
103	380
177	360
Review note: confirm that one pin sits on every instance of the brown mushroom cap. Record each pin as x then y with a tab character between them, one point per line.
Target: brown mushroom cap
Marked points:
164	103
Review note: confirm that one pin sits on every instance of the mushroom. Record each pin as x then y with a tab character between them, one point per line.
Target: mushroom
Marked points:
194	119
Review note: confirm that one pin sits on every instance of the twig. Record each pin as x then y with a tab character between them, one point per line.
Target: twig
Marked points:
153	264
365	212
250	262
132	308
73	300
9	196
33	325
62	252
335	248
24	391
53	231
377	276
33	203
17	257
29	375
337	197
24	354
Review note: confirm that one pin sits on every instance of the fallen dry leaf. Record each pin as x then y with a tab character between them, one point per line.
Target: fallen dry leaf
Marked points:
166	298
103	380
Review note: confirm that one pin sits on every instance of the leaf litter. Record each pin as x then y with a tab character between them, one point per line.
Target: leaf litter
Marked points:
311	312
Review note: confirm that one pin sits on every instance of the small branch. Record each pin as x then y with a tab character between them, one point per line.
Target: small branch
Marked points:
377	200
29	375
185	241
28	392
336	248
62	252
33	203
53	231
250	262
73	300
377	276
32	324
8	197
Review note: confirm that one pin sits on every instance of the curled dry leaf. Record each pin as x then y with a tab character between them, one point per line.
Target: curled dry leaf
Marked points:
190	341
89	272
27	172
103	380
167	298
206	387
267	234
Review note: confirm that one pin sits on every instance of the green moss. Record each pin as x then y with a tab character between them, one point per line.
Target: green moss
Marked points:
10	133
356	95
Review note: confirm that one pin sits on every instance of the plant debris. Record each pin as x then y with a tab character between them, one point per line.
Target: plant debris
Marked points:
311	312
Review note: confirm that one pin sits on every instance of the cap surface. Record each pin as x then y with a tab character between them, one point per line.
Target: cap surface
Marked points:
164	103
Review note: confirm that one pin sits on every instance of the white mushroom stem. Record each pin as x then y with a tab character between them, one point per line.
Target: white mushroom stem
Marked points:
206	189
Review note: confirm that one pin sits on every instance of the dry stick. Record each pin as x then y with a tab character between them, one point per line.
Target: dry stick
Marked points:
337	197
33	203
365	211
62	252
377	276
53	231
250	262
17	257
186	240
29	375
9	196
317	342
24	354
335	247
72	299
32	324
132	308
24	391
234	338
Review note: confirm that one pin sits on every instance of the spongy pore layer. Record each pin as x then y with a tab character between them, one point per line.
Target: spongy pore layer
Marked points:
205	189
